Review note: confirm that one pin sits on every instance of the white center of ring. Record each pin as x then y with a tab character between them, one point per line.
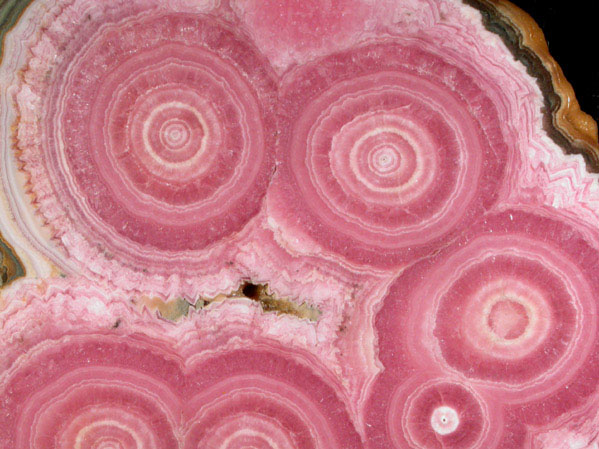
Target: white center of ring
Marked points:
174	134
175	131
444	420
385	159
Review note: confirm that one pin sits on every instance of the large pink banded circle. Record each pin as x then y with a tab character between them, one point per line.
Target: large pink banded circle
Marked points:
91	405
511	309
513	305
510	305
268	412
506	318
271	400
381	155
91	416
89	390
162	141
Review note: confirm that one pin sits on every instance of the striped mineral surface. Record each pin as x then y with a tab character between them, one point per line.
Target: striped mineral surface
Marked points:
243	224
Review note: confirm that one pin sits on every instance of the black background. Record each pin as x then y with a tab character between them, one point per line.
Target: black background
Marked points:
571	29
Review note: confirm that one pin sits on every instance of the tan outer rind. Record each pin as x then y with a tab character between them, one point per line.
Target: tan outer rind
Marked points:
576	125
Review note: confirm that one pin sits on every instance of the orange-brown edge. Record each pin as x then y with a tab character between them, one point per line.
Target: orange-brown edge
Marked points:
574	130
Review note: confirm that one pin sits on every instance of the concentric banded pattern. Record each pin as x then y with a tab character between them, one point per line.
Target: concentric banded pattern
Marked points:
271	402
384	155
430	256
158	133
94	392
511	308
106	392
424	409
442	415
510	317
115	378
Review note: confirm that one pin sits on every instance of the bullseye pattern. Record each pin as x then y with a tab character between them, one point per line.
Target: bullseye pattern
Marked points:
101	392
453	414
505	325
92	424
82	401
160	137
513	312
263	411
511	307
288	225
383	158
383	161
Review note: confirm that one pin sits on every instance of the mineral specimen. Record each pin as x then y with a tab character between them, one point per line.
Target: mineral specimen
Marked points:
293	224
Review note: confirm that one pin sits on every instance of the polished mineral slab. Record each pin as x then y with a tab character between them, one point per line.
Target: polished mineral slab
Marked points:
290	225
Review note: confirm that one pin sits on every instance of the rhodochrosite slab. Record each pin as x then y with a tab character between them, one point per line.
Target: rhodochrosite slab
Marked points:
511	311
293	225
158	129
136	384
385	150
